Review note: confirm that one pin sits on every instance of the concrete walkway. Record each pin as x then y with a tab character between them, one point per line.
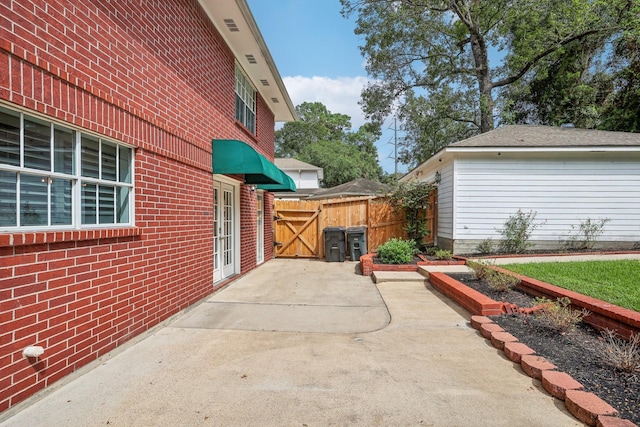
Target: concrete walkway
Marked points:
298	343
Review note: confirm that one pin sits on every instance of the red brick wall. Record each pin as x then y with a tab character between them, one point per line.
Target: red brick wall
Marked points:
155	75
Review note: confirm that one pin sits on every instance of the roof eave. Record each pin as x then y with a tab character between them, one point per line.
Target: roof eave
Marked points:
588	149
249	41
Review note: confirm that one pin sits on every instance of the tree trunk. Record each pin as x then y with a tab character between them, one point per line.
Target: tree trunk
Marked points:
485	85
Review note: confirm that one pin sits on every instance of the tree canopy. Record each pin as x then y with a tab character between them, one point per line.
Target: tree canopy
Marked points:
430	59
325	139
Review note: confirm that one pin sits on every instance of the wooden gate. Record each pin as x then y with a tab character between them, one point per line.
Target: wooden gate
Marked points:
298	229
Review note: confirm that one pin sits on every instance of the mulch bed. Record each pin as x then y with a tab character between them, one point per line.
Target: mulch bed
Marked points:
578	353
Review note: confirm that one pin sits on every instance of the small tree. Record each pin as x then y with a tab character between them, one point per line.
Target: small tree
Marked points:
517	231
412	200
586	234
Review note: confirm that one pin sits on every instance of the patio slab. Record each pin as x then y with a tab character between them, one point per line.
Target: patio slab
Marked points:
426	367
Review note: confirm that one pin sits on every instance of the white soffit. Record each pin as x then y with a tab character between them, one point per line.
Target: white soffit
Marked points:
236	24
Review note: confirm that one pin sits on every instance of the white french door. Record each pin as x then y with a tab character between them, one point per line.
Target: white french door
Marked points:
260	228
224	227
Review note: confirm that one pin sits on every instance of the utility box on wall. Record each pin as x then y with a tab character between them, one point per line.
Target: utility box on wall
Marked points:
356	242
334	245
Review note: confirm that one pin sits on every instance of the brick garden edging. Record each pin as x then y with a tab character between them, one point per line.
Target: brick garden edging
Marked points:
368	266
585	406
603	315
471	300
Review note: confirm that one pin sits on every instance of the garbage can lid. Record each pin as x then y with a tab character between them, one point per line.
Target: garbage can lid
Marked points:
334	229
361	229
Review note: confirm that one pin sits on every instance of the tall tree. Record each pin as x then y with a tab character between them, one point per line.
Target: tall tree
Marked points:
621	110
568	87
325	139
431	58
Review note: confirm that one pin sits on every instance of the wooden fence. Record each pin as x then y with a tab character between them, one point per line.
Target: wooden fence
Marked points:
298	229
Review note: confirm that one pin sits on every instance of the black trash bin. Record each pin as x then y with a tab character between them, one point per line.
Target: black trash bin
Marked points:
356	242
334	249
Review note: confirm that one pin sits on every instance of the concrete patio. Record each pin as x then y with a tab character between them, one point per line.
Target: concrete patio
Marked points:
300	342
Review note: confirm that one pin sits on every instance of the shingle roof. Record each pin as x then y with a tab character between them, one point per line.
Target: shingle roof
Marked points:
357	187
289	163
523	136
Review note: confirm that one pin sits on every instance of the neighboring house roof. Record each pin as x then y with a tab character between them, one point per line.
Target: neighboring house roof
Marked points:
534	139
286	163
357	187
529	136
236	25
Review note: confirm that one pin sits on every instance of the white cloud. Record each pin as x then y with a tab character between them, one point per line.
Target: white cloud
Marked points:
339	95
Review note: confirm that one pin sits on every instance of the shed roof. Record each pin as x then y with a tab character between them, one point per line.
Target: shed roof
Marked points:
532	139
531	136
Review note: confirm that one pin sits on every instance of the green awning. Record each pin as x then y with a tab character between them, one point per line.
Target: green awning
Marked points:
287	185
232	157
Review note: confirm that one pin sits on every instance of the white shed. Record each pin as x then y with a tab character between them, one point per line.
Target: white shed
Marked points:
565	175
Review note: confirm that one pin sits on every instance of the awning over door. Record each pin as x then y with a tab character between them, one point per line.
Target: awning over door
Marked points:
232	157
287	185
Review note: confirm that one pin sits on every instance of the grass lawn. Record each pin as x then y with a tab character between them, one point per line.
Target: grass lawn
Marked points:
617	282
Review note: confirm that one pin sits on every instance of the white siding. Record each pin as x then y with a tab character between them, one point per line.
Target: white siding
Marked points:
304	179
445	202
309	179
563	191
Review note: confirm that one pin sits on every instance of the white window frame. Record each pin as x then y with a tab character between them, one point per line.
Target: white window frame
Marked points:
245	100
75	178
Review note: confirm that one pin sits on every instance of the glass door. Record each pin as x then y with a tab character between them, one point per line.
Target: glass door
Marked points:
223	231
260	228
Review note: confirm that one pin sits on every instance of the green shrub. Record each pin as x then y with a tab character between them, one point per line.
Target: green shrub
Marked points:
443	254
397	251
558	315
517	231
431	250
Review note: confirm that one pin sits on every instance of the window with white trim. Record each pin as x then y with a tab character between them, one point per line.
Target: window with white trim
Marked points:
56	177
245	101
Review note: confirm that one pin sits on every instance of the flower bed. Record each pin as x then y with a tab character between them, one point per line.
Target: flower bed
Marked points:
368	266
602	315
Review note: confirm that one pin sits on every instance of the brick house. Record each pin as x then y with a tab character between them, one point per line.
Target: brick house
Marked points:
134	139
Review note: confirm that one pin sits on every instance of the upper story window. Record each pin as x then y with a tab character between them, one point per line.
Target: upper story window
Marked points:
57	177
245	101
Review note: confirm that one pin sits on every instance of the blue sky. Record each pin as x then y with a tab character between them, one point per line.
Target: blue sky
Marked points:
317	55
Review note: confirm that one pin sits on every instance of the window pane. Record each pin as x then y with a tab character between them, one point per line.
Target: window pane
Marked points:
89	192
123	205
63	150
90	157
37	144
9	138
239	109
33	200
8	199
109	161
125	165
61	201
106	203
251	121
